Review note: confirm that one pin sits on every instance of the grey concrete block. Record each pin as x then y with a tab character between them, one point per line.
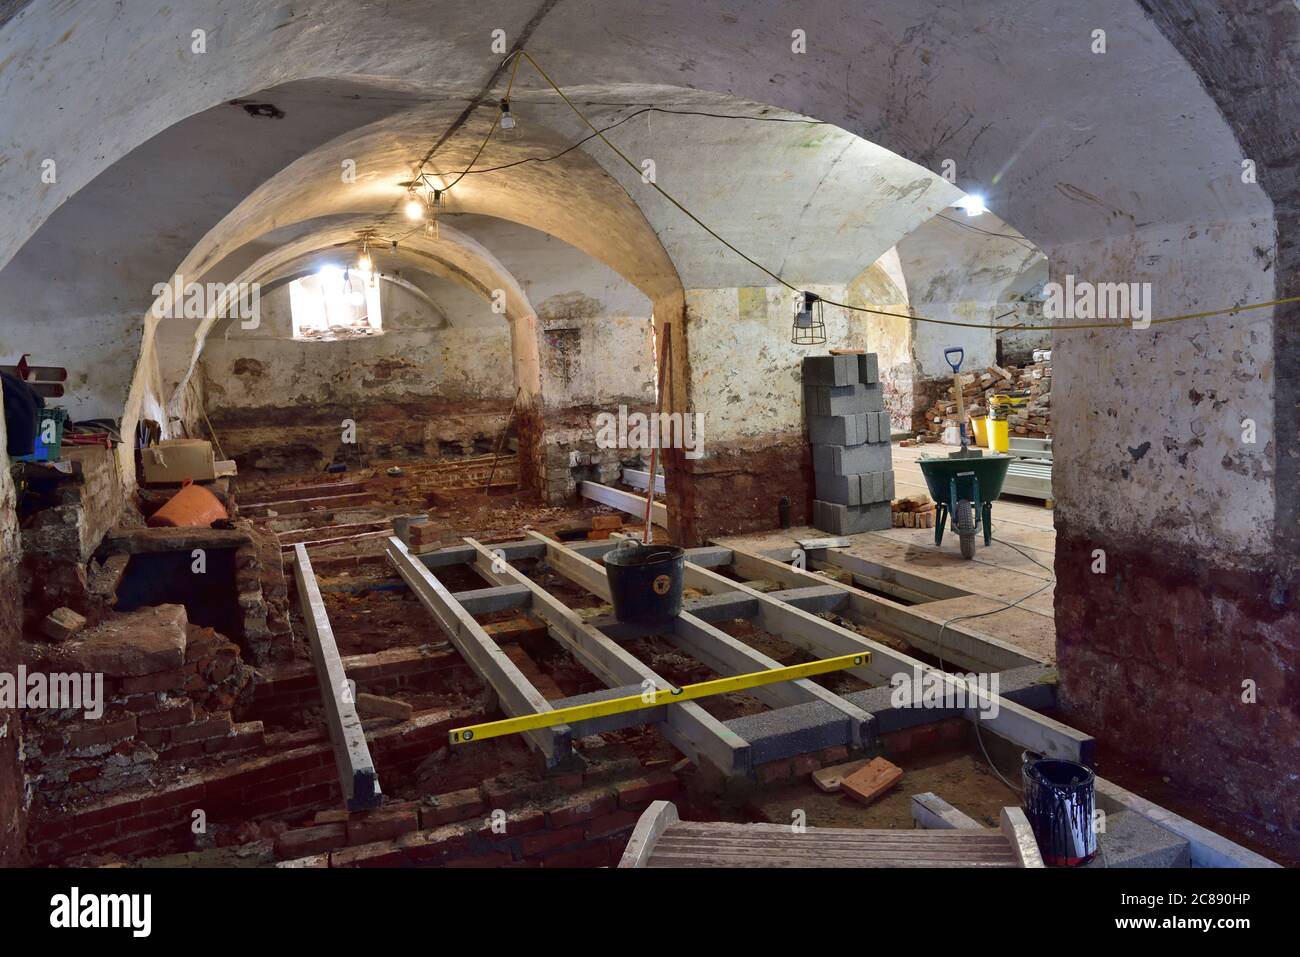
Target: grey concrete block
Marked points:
831	370
852	459
868	368
875	487
1130	840
838	429
797	729
839	489
851	519
842	399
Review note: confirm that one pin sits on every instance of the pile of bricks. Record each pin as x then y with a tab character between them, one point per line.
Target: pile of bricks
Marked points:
849	431
168	691
915	511
1033	418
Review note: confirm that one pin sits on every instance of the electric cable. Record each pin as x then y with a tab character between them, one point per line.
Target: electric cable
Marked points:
599	133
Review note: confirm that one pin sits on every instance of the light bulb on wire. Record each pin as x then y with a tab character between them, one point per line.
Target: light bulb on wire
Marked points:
414	208
509	128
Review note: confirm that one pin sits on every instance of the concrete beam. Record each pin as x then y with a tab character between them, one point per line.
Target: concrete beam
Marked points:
357	777
514	691
933	812
625	502
689	728
640	479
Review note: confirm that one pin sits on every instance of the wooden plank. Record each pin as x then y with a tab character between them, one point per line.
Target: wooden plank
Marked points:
1015	827
689	728
625	502
463	554
653	822
514	691
356	769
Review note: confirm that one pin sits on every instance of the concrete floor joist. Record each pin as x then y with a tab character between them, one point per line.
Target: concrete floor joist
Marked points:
357	777
515	693
719	651
953	642
825	639
690	728
625	502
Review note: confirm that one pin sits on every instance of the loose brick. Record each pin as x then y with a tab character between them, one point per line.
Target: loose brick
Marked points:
871	781
428	846
61	624
830	778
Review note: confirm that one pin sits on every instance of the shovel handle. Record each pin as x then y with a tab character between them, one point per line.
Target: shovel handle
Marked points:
961	355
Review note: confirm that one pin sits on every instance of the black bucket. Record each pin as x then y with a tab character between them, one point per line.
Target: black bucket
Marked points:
645	581
1060	797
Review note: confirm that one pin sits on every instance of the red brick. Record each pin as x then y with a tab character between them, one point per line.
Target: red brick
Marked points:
374	854
836	755
549	840
201	730
310	840
611	824
425	846
804	765
487	859
590	855
656	786
159	681
871	781
102	732
775	772
509	790
519	821
381	824
579	807
453	806
332	816
170	717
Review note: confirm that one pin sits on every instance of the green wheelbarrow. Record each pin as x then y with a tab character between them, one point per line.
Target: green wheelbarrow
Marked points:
965	487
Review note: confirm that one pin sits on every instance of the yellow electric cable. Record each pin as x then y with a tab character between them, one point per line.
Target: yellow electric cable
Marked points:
1232	310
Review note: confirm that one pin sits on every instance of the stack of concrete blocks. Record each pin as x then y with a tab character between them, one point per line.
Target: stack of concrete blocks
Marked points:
849	432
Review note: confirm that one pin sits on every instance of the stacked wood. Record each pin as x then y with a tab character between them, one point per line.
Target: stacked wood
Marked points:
914	511
978	388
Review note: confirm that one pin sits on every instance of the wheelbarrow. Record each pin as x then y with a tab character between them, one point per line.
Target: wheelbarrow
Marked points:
964	487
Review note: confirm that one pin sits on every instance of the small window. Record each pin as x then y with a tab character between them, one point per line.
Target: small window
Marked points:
335	304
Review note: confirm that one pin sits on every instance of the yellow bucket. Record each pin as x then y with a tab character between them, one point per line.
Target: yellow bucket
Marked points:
998	434
981	431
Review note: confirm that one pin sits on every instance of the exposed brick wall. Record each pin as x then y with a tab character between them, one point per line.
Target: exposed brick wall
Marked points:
1152	656
289	782
586	826
570	454
738	486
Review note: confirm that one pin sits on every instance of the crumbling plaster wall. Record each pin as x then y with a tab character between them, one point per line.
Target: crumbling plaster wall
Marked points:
13	811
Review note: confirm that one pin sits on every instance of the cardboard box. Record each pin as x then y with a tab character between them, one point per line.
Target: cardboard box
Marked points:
175	460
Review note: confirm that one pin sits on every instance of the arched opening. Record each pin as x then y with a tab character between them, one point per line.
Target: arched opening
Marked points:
828	166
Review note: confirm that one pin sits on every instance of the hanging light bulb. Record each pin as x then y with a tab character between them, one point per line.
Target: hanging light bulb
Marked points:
431	221
414	208
809	327
509	129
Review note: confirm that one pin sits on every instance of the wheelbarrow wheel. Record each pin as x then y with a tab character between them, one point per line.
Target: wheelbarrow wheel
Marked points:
964	525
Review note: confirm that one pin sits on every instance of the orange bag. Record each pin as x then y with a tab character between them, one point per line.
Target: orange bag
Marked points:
191	507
